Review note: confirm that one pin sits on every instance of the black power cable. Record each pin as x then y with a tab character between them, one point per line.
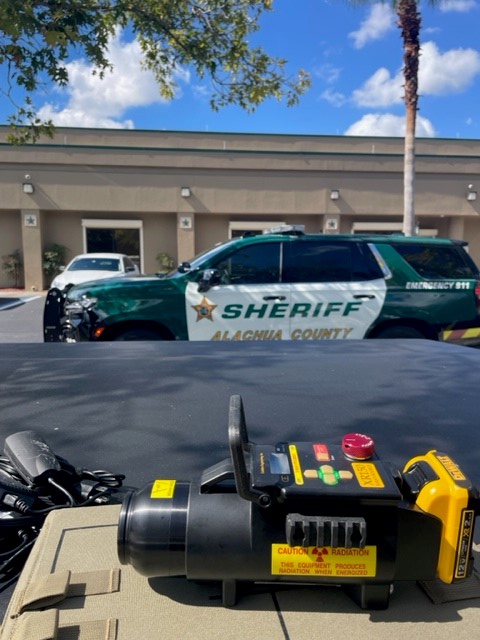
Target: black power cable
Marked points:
25	504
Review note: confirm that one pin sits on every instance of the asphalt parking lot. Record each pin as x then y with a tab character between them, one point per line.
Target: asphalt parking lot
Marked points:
21	316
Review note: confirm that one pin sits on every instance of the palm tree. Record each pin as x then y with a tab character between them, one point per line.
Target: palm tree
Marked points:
409	21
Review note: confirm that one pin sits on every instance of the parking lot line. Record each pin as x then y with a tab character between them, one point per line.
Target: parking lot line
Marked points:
10	303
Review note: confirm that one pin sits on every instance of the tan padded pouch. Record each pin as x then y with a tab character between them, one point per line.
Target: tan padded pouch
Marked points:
44	625
55	587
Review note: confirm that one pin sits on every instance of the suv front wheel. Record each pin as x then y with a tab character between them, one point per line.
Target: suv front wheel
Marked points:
138	334
400	331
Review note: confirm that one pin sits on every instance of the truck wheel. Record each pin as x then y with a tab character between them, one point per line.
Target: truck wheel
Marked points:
137	334
400	331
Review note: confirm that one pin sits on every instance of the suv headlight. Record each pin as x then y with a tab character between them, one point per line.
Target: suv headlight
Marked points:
79	306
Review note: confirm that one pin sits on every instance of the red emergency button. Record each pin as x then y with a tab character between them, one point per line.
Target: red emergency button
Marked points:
358	446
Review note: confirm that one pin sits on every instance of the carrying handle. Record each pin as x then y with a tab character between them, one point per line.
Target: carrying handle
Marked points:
239	448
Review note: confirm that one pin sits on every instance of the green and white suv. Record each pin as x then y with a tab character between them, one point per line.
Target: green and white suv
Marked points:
285	285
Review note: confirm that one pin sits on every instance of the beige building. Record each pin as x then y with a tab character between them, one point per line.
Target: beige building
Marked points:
179	193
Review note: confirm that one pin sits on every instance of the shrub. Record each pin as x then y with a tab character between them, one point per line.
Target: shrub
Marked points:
53	259
165	261
12	265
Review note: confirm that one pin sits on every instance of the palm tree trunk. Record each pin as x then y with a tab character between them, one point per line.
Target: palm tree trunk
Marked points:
409	222
409	21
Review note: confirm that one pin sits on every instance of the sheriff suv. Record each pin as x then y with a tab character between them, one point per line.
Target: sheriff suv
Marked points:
285	285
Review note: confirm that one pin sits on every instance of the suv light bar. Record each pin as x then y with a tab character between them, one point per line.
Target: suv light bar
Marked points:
286	230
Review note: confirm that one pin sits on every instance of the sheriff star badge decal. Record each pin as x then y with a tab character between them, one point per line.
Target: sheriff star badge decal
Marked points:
204	309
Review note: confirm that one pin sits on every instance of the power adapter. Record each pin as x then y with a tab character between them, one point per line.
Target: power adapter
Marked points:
31	456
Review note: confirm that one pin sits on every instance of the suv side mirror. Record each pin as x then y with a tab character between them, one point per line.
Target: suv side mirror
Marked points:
184	267
210	278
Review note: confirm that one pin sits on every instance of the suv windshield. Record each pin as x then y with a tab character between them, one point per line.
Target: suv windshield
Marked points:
200	258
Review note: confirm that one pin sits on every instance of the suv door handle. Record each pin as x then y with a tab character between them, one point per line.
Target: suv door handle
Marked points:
274	297
364	296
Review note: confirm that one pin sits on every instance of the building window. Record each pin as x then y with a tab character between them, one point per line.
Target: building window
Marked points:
388	228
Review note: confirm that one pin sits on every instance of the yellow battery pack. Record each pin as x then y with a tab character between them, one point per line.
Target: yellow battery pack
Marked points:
444	491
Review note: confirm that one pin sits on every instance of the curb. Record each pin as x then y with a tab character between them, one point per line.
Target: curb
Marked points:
17	293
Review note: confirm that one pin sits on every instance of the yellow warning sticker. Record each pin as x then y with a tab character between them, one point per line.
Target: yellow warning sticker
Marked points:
163	489
297	468
335	562
367	475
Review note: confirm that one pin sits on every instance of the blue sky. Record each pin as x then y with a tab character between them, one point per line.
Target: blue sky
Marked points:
353	53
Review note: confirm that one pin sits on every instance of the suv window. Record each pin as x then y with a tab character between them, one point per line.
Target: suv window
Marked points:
254	264
320	261
436	262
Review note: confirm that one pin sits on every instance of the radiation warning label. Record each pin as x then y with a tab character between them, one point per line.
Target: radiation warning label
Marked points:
163	489
335	562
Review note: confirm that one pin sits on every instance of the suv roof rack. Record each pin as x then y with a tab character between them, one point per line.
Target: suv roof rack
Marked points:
286	230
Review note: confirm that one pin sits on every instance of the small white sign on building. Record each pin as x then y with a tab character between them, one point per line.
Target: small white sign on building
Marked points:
186	222
30	220
332	224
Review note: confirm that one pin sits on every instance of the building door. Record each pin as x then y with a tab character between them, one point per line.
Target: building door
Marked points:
114	236
114	240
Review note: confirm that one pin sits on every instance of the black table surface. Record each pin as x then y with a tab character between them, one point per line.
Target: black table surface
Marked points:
147	408
156	409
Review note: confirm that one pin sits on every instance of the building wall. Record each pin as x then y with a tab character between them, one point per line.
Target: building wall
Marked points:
10	240
159	236
138	176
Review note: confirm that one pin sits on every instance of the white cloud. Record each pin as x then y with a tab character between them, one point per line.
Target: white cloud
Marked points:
95	102
439	74
380	90
78	117
330	75
387	124
335	98
201	92
447	73
461	6
380	20
327	72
